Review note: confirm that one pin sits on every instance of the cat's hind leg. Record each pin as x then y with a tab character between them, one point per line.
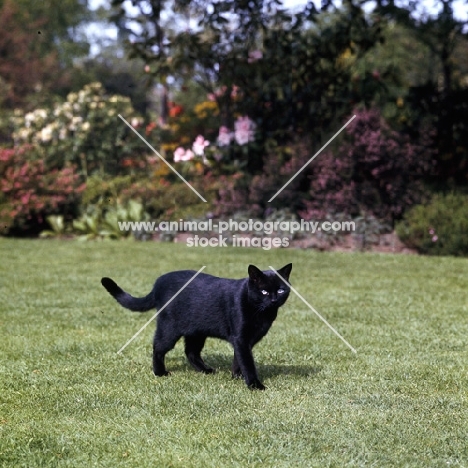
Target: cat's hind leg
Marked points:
163	342
235	369
193	347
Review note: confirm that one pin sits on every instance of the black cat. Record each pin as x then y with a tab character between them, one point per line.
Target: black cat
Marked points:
238	311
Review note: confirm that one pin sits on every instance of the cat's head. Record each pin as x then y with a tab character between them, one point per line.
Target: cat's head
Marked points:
267	289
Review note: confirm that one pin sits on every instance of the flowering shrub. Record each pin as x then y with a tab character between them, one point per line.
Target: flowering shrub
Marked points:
244	130
230	152
184	124
375	170
437	228
237	150
232	194
180	154
199	145
84	130
29	191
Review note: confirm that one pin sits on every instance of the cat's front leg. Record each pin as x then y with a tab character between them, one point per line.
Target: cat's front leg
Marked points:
243	356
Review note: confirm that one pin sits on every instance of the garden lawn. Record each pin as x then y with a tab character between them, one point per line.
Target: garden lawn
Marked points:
68	399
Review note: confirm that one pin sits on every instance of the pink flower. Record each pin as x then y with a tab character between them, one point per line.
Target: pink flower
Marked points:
225	136
182	155
244	130
255	55
199	145
431	232
218	92
434	238
179	153
188	155
235	91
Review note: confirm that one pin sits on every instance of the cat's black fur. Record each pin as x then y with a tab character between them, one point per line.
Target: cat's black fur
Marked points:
234	310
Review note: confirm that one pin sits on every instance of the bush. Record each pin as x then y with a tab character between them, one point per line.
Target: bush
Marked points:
29	192
101	221
438	228
84	130
375	170
159	197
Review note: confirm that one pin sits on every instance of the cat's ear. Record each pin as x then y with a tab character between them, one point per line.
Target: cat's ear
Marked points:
285	271
255	274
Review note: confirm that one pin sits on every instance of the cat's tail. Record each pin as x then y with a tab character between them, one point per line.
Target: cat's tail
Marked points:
136	304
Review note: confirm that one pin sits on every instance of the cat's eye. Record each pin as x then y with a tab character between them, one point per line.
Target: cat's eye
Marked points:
264	292
280	291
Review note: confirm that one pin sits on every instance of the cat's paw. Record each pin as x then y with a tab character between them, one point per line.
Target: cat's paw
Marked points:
208	370
163	373
256	385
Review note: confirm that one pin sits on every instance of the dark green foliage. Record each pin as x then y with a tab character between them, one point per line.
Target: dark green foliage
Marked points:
438	228
101	221
442	97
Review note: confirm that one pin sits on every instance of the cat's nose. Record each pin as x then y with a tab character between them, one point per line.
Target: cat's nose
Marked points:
274	298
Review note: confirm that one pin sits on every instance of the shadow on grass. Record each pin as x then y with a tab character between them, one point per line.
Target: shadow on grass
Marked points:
222	362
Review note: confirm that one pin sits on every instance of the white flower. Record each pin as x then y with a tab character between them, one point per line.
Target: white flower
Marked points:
46	134
23	134
85	127
41	113
28	119
135	122
75	121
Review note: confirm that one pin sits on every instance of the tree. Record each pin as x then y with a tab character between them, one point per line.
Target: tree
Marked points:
38	46
285	71
58	22
443	96
23	68
116	73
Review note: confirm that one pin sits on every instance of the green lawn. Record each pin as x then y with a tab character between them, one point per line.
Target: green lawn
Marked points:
67	398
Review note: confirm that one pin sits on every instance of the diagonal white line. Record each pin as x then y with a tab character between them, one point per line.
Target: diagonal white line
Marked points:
316	313
162	159
312	158
161	309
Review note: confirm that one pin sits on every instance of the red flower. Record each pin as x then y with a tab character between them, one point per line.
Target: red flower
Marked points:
175	111
150	127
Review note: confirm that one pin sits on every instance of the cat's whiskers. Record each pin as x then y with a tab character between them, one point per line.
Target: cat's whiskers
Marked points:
258	308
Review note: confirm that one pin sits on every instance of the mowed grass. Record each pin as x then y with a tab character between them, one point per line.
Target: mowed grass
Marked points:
68	399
